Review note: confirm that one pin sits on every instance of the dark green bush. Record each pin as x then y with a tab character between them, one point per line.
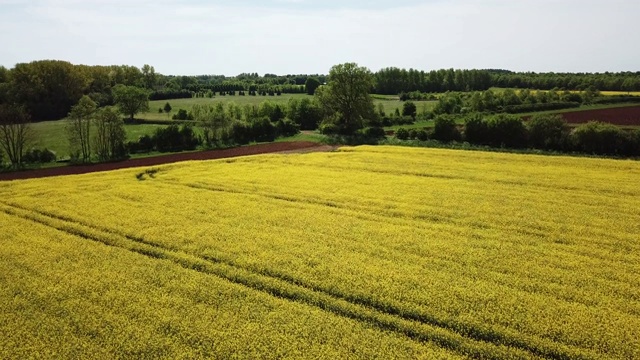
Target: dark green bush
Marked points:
182	115
374	132
445	129
548	132
409	109
422	135
507	131
241	132
174	138
35	156
286	127
476	130
402	134
262	130
329	128
516	109
604	139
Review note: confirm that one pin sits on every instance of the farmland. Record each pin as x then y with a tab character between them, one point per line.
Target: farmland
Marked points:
390	103
621	116
361	253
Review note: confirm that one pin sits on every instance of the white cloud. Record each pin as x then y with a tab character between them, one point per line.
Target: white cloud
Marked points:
194	37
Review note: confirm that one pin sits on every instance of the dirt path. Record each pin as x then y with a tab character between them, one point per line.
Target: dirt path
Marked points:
284	147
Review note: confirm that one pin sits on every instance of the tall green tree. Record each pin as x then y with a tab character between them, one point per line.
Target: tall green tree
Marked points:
110	135
130	100
48	88
409	109
4	74
345	99
214	120
79	128
311	85
304	112
15	132
149	77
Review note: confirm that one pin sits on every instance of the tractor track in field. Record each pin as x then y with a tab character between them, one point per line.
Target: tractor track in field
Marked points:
459	337
267	148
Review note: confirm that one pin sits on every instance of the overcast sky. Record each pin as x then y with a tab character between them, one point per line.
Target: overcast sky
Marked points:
189	37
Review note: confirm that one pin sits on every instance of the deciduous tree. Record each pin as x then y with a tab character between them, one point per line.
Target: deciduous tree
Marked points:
79	129
110	135
345	99
214	120
311	85
409	109
15	133
131	99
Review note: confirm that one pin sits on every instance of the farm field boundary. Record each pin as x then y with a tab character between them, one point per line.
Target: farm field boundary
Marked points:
293	146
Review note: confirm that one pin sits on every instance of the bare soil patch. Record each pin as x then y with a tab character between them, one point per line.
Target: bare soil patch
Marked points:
621	116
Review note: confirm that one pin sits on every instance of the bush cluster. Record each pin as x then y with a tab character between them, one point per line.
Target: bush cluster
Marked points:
38	156
182	115
544	132
170	138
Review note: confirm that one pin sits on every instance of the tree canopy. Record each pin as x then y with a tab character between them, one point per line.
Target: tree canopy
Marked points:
311	85
345	99
15	133
131	99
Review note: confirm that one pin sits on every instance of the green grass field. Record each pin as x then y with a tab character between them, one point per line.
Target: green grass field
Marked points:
52	135
390	103
187	104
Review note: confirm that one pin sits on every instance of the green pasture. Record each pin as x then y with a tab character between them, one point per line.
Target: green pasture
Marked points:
52	135
390	103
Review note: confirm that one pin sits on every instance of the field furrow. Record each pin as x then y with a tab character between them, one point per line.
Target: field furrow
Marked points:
455	337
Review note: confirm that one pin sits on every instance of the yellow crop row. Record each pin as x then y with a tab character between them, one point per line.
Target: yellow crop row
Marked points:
432	252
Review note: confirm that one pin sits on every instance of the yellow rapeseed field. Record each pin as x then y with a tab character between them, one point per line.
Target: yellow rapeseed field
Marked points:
366	252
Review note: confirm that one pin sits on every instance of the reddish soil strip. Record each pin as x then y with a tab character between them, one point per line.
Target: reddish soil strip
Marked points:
288	147
621	116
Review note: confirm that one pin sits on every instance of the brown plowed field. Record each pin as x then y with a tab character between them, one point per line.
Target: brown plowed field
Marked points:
298	146
622	116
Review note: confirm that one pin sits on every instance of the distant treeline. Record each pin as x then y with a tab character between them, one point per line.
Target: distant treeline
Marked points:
393	81
48	89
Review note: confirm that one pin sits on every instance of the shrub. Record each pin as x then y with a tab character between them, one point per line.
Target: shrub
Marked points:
548	132
476	130
603	139
515	109
445	129
402	134
402	120
38	156
189	138
412	134
144	144
409	109
262	130
422	135
507	131
173	138
329	128
374	132
286	127
182	115
241	132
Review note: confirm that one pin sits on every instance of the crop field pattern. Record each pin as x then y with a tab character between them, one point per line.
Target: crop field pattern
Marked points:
365	252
